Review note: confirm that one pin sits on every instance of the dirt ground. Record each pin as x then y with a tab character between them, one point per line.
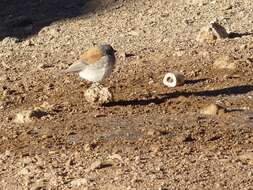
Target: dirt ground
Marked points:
150	136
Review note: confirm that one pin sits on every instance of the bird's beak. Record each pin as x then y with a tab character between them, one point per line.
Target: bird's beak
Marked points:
114	50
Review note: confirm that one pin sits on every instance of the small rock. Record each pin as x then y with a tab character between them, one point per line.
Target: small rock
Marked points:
43	66
79	182
90	146
248	157
214	137
116	156
27	43
124	55
10	41
7	154
135	178
250	139
49	31
40	184
204	53
179	53
99	165
225	62
23	117
27	160
228	7
98	95
162	188
47	106
211	33
2	105
24	172
7	92
87	148
197	2
155	148
153	132
211	109
70	162
26	116
134	33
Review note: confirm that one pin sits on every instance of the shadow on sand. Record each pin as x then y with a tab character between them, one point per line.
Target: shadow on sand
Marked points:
235	90
22	18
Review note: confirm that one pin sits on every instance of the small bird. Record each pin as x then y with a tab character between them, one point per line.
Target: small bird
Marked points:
95	64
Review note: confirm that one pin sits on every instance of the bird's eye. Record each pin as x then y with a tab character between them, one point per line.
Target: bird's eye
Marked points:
111	52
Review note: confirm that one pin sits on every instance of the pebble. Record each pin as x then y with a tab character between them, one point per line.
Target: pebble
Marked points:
91	146
197	2
248	157
47	106
43	66
225	62
26	116
79	182
38	185
124	55
98	95
27	160
23	117
179	53
27	43
153	132
116	156
211	33
99	165
155	148
24	172
162	188
211	109
134	33
49	31
9	41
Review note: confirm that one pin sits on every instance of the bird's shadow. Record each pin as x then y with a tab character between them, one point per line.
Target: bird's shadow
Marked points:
161	98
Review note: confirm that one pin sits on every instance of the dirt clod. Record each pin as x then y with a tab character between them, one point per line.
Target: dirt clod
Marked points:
225	62
248	157
212	32
98	95
79	182
99	164
26	116
211	109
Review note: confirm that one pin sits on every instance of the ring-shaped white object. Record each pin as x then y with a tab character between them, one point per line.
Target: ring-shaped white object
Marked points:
173	79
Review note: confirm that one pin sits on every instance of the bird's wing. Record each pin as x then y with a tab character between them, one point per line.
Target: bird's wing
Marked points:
76	67
91	56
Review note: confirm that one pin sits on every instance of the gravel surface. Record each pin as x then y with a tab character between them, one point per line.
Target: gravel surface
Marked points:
195	136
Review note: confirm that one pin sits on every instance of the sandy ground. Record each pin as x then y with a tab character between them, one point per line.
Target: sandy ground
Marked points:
150	136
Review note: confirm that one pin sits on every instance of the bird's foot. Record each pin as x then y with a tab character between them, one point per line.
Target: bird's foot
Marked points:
96	85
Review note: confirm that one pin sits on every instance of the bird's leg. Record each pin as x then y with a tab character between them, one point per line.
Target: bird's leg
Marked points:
96	84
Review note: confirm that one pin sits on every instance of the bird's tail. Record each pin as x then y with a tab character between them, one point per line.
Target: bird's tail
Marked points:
76	67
